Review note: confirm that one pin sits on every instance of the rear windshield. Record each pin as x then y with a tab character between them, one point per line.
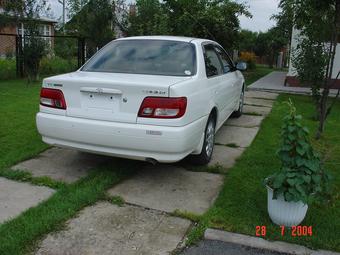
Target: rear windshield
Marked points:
156	57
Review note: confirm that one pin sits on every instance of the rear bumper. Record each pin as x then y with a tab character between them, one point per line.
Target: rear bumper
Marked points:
135	141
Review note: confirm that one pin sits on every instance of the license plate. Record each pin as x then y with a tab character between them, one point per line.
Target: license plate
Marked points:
100	102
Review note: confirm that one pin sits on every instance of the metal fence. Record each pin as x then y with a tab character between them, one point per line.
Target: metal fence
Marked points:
63	53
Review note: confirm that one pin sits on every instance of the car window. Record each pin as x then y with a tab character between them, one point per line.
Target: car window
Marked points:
226	61
155	57
213	64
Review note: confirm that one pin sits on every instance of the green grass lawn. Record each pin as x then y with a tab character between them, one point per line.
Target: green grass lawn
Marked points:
19	140
261	70
242	202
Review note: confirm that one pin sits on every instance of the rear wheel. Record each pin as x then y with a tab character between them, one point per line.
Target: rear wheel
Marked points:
239	111
208	145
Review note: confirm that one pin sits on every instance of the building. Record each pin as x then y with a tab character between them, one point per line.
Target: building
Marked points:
292	80
8	32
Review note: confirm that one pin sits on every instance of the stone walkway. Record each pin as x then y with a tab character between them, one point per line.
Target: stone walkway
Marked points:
274	82
145	223
17	197
238	133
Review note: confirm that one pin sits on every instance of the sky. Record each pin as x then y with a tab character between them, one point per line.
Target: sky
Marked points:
261	10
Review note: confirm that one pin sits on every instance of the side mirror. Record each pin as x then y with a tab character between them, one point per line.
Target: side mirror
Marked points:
242	66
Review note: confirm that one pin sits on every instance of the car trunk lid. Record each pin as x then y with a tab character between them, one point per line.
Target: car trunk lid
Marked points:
110	96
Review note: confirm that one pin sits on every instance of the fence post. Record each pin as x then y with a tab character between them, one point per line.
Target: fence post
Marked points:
19	56
81	51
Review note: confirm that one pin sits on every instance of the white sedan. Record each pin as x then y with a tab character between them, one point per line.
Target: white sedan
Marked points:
153	98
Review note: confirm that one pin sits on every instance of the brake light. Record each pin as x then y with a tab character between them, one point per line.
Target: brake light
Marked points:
163	107
52	98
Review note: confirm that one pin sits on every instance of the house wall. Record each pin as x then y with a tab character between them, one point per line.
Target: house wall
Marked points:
292	80
8	43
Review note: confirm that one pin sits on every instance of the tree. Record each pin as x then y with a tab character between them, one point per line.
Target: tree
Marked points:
285	18
94	21
150	19
247	40
34	46
319	26
212	19
269	44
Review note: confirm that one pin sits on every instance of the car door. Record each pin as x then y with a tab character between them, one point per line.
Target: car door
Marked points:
231	79
221	91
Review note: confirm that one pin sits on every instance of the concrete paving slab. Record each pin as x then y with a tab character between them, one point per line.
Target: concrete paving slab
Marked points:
261	94
107	229
236	135
62	164
17	197
258	102
167	188
245	121
250	109
225	156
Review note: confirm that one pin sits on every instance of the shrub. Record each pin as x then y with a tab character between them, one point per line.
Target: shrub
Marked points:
57	65
7	69
34	50
249	58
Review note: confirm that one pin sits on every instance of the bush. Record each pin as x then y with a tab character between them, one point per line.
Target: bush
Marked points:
57	65
249	58
7	69
35	48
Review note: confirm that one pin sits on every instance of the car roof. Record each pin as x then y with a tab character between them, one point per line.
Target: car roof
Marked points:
165	37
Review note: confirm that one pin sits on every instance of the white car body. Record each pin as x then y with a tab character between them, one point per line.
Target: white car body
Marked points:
114	128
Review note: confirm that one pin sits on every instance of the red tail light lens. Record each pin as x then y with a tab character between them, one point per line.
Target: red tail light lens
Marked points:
163	107
52	98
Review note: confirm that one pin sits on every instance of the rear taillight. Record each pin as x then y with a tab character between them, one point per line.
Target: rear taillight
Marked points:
163	107
52	98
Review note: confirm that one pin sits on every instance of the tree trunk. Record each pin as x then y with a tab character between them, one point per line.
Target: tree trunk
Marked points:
328	78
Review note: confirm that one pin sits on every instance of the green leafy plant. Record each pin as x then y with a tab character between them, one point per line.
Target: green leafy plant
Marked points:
302	177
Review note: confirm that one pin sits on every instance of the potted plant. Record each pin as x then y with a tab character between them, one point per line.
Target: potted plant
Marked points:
301	179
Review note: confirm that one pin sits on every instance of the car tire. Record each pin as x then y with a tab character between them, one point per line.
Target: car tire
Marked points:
239	111
208	145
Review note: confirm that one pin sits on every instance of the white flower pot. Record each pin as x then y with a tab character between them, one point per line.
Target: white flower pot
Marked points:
285	213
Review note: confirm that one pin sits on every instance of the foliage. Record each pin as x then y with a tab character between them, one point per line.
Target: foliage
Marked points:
247	40
35	48
150	19
57	65
75	6
302	177
310	59
7	69
285	18
66	47
319	26
270	43
212	19
95	22
249	58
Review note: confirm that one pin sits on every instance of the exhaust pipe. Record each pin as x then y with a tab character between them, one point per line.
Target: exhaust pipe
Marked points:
152	161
